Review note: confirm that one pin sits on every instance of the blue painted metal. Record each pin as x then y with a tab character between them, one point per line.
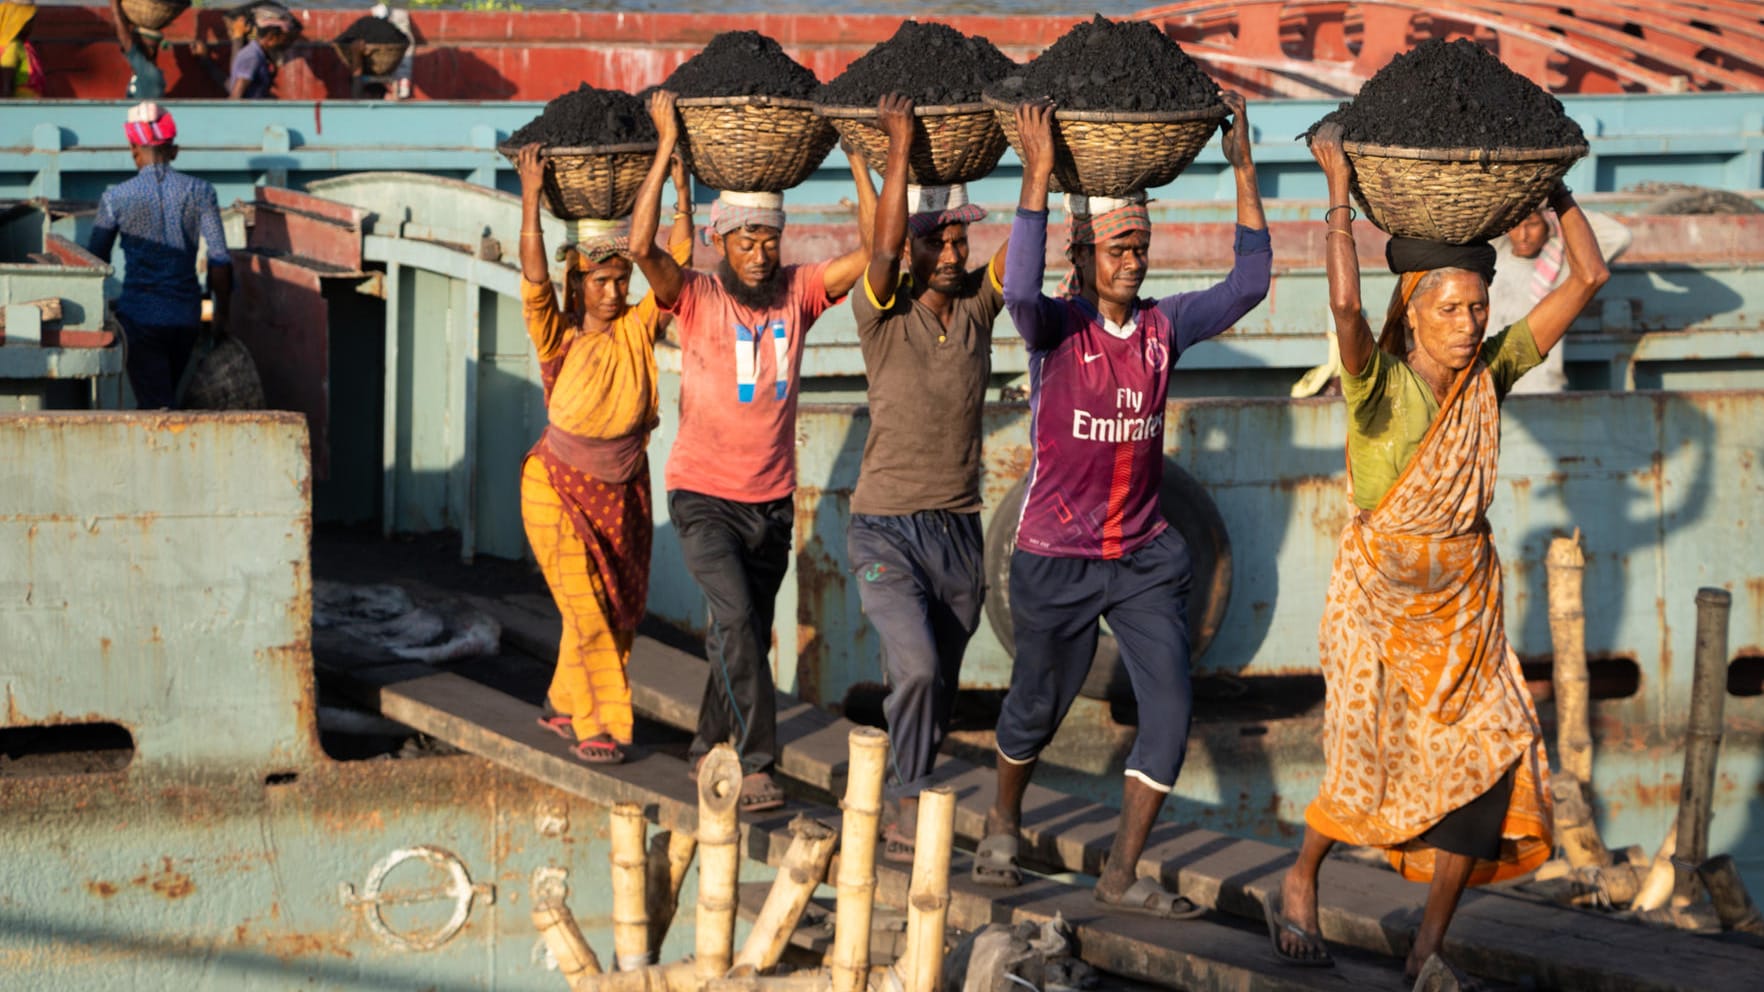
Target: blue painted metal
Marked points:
74	150
154	575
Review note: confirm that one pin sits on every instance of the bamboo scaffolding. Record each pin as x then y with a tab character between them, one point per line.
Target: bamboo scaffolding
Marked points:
575	959
670	854
921	969
678	977
1566	567
809	981
805	867
719	860
1702	746
630	911
1657	885
849	963
1733	904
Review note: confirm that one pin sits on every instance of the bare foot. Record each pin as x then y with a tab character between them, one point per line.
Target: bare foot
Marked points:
1298	903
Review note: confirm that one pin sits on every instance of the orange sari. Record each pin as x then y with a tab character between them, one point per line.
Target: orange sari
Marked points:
1427	708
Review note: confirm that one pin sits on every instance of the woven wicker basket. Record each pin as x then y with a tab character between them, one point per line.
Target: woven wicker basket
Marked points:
952	144
754	144
382	59
1456	195
600	181
1109	153
153	14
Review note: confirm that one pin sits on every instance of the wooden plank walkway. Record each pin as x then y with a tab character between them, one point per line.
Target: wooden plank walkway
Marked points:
1497	936
1199	955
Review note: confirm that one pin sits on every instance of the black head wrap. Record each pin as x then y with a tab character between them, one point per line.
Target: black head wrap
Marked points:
1416	255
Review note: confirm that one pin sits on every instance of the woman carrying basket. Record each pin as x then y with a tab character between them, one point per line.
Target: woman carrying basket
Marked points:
1431	742
585	485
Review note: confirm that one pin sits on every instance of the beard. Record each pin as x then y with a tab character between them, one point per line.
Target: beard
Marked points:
768	295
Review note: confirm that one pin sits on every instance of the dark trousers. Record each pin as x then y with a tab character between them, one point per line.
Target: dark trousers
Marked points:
1056	604
156	359
922	581
737	552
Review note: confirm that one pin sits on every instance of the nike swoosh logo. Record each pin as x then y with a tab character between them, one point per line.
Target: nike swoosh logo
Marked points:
1091	358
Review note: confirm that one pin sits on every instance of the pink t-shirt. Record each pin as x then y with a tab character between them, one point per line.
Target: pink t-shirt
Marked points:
738	379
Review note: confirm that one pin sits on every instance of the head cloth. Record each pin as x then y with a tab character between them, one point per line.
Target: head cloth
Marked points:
150	125
1413	258
734	211
932	207
1096	219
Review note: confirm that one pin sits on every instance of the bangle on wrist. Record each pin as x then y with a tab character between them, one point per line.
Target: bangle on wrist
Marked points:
1344	232
1352	213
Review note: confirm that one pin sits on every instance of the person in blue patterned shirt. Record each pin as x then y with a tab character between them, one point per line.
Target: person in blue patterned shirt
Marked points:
160	213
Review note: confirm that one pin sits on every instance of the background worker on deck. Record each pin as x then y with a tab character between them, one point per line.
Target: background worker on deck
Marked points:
140	46
585	485
21	73
914	542
732	471
252	73
1530	263
1092	543
159	214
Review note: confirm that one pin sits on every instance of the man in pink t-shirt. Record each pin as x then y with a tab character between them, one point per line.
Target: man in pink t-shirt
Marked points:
732	470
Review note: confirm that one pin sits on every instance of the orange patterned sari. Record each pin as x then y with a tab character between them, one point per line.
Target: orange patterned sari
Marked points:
1427	707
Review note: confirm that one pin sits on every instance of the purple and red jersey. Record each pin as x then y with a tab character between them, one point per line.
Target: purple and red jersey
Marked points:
1097	394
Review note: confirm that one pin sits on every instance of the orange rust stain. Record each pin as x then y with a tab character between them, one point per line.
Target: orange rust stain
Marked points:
101	889
167	882
300	945
176	427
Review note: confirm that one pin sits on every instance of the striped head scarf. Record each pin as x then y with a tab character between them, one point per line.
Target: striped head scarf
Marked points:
1098	218
150	125
932	207
596	241
733	211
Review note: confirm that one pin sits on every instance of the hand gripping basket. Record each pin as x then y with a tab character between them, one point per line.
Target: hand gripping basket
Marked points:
598	181
153	14
753	144
1455	195
952	144
1114	153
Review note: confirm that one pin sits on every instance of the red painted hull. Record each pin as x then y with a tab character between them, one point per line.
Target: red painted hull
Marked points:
1259	48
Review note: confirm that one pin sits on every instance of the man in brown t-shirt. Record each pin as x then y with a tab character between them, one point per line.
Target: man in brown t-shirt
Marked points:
914	541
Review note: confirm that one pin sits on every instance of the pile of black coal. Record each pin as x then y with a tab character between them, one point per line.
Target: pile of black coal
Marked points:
742	63
1113	65
1453	94
932	63
372	31
588	116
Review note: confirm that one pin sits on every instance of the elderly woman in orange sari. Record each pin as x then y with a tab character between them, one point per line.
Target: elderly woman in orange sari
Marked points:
585	485
1431	741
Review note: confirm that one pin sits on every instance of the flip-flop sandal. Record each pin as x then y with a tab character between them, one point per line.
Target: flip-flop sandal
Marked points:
599	750
896	846
557	723
1316	952
1145	897
995	862
1438	975
759	793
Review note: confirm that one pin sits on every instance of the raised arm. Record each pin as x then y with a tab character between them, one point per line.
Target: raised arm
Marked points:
1235	142
1037	317
843	272
659	268
896	117
681	232
1586	273
531	169
125	31
1342	261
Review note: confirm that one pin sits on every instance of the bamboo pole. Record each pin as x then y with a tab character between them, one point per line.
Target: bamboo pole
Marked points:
670	854
630	912
677	977
1656	888
1702	746
928	897
805	866
719	860
1575	828
807	981
1733	905
1566	567
575	959
850	960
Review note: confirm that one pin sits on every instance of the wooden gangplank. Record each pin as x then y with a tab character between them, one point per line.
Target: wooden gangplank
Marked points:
1499	936
1200	955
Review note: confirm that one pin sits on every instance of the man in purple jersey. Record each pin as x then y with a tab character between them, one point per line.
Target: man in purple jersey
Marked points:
1091	543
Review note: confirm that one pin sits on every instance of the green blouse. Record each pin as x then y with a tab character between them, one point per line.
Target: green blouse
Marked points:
1390	408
